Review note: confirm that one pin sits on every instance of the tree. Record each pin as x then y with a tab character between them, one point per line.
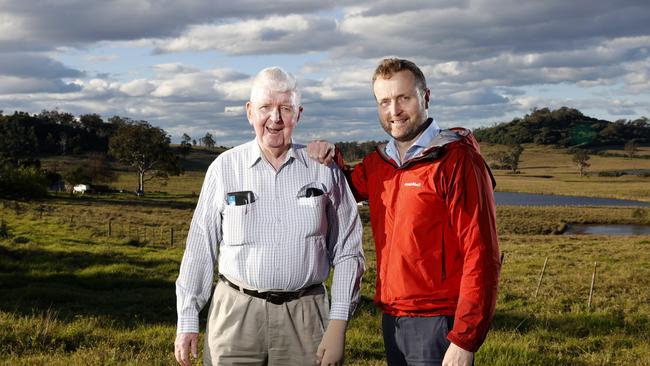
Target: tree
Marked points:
208	140
145	148
631	148
506	159
186	146
16	141
580	158
93	170
515	152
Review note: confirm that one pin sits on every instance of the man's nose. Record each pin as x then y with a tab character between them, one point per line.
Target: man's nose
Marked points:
395	108
275	115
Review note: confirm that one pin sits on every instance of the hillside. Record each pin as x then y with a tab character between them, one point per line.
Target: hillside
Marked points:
566	127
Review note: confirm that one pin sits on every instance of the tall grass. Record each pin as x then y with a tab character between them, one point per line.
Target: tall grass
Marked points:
72	295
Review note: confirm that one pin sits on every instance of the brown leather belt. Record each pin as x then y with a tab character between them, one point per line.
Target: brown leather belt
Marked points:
274	297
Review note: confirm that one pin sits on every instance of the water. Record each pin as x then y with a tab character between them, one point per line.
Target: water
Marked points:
533	199
608	229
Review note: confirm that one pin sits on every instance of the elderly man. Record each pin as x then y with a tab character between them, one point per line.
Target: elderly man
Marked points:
433	220
275	221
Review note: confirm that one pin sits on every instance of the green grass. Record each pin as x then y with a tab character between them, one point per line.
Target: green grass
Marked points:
71	295
548	170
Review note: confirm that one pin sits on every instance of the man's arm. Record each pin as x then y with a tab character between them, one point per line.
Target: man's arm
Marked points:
186	342
331	349
194	283
346	255
470	201
322	151
326	152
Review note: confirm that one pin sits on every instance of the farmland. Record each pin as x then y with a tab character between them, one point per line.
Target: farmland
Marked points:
90	280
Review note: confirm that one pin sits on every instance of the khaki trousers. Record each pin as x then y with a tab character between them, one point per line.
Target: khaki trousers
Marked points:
245	330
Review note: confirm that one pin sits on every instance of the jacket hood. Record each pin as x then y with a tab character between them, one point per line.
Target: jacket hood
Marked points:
453	138
449	138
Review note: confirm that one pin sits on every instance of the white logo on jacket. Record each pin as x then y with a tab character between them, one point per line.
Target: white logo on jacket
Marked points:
412	184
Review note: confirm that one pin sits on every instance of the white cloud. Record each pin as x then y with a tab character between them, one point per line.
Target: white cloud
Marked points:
137	87
190	64
234	110
274	34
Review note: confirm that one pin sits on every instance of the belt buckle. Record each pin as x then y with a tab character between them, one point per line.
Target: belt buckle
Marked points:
276	298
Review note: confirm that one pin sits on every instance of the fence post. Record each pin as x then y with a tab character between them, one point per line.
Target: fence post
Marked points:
591	289
171	237
541	275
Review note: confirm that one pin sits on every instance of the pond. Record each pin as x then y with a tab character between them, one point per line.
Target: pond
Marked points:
533	199
593	229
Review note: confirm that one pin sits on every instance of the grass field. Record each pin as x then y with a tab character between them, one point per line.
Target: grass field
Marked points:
551	171
72	295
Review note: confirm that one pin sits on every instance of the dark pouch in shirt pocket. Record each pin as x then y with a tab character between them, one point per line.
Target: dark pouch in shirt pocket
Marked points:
240	198
238	218
311	211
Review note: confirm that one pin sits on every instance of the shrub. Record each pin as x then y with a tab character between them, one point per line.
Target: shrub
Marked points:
21	240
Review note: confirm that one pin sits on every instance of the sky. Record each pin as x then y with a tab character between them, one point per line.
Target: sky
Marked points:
186	66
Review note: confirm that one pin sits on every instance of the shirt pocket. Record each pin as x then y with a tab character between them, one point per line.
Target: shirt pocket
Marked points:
311	212
238	224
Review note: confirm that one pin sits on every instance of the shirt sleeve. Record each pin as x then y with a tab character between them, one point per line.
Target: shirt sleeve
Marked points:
194	283
344	248
470	200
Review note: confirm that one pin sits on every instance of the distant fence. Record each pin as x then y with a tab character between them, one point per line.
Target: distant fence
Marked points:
151	233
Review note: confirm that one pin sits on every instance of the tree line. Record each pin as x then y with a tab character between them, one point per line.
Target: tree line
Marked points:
25	137
566	127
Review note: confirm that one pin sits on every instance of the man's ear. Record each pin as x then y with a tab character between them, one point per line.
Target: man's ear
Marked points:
249	112
427	94
299	114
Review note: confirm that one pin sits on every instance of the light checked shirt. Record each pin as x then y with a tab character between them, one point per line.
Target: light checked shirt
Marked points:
422	142
286	239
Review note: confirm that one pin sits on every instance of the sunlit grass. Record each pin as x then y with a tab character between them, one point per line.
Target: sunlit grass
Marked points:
548	170
73	295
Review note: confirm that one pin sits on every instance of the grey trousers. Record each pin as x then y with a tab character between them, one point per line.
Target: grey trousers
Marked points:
416	341
245	330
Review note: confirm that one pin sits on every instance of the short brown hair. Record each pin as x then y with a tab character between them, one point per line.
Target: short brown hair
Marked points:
390	66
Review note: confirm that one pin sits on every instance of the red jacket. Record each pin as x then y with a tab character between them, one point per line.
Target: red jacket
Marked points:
433	221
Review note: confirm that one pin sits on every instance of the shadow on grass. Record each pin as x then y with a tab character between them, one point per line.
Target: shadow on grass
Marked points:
133	201
578	325
124	288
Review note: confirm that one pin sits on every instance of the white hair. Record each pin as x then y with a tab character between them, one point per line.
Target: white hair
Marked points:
276	79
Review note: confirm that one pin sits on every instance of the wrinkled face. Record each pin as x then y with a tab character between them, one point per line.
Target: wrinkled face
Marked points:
273	115
402	108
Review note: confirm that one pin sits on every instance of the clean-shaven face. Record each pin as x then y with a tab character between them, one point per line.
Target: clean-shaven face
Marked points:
273	115
402	108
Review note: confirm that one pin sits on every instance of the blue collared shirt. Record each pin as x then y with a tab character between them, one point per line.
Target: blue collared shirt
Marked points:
423	141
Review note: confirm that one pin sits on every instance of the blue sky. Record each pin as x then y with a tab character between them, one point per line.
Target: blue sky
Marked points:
186	66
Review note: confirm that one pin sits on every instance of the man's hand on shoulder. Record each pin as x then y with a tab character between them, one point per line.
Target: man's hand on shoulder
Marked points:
321	151
456	356
182	346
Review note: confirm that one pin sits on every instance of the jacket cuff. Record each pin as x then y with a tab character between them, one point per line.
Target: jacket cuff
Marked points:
462	343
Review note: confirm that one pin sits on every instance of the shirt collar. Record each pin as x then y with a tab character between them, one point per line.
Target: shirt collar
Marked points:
423	141
255	154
